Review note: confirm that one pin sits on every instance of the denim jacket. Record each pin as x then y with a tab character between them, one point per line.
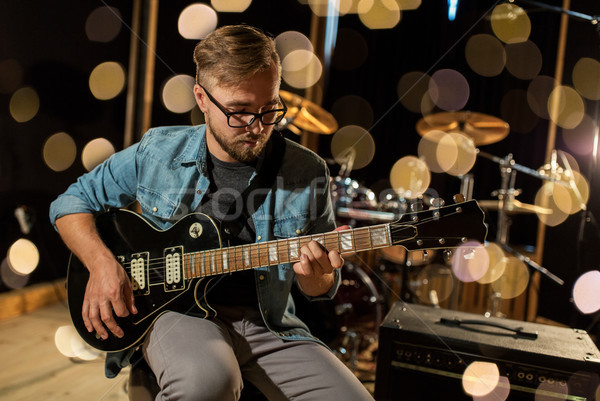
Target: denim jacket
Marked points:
166	172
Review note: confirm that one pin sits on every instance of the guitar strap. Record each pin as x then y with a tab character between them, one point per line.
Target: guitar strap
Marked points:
259	186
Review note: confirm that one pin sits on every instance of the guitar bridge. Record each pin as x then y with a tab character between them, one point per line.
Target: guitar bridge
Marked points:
173	277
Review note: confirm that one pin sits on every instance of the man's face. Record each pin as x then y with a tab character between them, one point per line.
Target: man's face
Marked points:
257	94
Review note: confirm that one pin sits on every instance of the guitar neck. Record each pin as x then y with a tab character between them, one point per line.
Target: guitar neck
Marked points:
251	256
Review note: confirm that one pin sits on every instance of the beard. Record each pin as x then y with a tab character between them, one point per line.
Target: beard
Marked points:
236	147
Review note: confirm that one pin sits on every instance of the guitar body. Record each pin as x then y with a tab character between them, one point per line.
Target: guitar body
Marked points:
131	238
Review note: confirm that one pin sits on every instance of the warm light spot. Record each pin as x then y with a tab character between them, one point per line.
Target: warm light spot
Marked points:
510	23
433	282
497	263
585	292
23	256
485	55
325	8
465	156
514	109
499	393
178	93
10	278
24	104
301	69
581	138
231	6
11	75
552	391
538	93
107	80
480	378
289	41
63	339
545	199
438	150
103	24
412	87
59	151
196	21
449	89
351	50
410	177
379	14
571	194
353	146
95	152
470	261
566	107
427	104
586	78
409	4
352	110
514	280
523	60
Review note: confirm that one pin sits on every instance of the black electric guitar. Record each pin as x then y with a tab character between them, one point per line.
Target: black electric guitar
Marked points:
171	269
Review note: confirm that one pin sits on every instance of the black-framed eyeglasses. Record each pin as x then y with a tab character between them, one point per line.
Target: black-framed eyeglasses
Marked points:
240	119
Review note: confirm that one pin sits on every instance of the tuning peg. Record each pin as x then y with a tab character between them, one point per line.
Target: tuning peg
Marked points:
458	198
447	255
417	206
437	203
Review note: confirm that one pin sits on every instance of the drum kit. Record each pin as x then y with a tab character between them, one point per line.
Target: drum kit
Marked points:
372	283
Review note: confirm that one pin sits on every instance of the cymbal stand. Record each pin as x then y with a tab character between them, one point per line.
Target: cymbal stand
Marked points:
506	194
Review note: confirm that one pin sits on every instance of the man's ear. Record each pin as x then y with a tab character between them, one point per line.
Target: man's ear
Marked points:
201	98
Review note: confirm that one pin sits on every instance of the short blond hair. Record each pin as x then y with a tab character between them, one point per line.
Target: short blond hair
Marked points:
234	53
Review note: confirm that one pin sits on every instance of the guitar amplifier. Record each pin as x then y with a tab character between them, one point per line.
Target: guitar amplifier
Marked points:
424	353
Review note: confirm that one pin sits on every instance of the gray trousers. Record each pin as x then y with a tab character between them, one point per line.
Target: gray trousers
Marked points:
200	359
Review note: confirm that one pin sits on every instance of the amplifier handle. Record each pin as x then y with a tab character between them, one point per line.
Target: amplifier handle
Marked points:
519	331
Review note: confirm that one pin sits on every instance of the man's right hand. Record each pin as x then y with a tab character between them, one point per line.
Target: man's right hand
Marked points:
108	289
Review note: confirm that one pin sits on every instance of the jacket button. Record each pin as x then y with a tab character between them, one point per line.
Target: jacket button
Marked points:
298	231
258	238
261	277
155	209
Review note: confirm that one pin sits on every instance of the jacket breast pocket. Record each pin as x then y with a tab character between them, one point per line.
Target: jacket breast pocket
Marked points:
155	204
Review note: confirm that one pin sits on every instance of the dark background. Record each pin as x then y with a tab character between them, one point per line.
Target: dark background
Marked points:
48	40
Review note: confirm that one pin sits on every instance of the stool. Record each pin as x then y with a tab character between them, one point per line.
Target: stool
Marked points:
142	385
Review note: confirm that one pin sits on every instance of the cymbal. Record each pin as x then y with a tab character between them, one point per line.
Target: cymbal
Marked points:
306	115
513	206
482	128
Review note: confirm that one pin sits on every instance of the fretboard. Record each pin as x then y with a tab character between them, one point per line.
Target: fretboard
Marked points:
262	254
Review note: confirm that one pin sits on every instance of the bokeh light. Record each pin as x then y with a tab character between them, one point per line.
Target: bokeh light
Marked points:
196	21
23	256
552	391
585	292
449	89
497	263
580	140
11	75
480	378
325	8
466	154
544	198
586	78
178	93
485	55
24	104
289	41
499	393
566	107
301	69
10	278
352	110
59	151
523	60
95	152
103	24
230	6
351	50
538	93
412	88
433	280
409	4
510	23
452	152
514	280
514	109
355	144
107	80
410	177
379	14
69	343
470	261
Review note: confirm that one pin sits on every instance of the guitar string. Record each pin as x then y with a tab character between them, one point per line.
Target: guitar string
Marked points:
155	265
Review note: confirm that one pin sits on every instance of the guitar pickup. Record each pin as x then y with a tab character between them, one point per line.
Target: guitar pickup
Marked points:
139	274
173	277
